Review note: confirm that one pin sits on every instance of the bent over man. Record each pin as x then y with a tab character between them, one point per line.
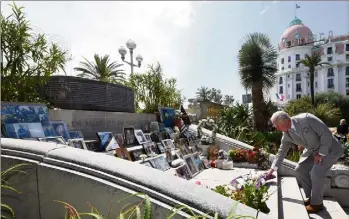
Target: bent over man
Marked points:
321	151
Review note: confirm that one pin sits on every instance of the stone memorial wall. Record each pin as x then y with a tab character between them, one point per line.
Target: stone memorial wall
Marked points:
74	93
90	122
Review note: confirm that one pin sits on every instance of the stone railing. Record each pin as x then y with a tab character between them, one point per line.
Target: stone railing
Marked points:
337	177
60	172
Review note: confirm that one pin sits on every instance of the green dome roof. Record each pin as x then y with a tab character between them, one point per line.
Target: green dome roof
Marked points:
295	21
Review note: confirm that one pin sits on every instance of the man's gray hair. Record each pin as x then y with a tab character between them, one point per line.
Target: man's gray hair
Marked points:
279	116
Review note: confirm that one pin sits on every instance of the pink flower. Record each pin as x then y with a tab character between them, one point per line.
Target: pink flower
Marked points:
198	183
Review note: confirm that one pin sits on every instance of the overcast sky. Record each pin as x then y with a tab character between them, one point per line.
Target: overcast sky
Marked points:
196	42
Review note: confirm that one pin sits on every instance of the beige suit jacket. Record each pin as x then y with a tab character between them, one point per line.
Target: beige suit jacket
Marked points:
312	134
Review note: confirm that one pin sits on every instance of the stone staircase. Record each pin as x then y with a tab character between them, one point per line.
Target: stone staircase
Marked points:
288	202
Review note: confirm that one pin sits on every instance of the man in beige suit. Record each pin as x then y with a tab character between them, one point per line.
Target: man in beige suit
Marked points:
321	151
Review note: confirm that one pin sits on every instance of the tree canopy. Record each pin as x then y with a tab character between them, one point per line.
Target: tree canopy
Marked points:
28	59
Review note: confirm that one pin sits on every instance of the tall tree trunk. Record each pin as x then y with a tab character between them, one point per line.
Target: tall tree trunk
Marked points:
259	108
311	74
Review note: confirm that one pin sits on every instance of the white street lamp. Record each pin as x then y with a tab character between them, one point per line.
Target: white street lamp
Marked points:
131	45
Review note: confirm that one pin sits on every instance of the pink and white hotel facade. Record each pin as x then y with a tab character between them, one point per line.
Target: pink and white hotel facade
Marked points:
293	78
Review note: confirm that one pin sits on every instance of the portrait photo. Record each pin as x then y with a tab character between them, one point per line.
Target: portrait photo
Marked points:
130	139
191	165
75	134
168	144
147	137
22	130
183	172
160	147
77	143
198	162
61	129
147	149
154	127
140	136
123	153
120	140
136	152
160	163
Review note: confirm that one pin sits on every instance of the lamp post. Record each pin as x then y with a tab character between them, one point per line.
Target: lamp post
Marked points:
131	45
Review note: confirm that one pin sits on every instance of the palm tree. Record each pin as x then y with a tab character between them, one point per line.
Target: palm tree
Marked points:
228	100
312	62
203	93
101	69
257	68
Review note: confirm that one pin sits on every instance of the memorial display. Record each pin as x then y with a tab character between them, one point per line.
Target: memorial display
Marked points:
160	163
76	134
167	116
140	136
123	153
147	137
61	129
130	139
120	140
183	172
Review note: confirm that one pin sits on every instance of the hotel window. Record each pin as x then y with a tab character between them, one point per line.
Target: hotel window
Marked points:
298	87
329	51
329	59
330	83
347	82
347	92
298	96
347	56
288	44
316	74
288	76
288	85
347	47
281	90
308	84
297	65
282	60
280	80
282	68
316	84
300	41
347	71
289	59
330	72
289	66
298	77
298	57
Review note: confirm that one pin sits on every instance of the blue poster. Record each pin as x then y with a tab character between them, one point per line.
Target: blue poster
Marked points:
167	116
25	120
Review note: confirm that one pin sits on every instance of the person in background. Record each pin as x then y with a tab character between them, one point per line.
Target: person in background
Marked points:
342	129
321	151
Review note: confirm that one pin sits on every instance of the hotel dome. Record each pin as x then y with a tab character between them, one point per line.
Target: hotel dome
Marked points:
296	30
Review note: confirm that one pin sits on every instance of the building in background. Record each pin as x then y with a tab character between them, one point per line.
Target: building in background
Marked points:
293	78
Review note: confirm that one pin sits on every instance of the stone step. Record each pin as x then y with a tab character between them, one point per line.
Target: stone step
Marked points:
292	203
332	209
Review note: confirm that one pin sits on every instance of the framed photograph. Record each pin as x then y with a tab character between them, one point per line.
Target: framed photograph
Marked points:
198	162
48	129
167	116
136	152
183	147
169	156
77	143
76	134
147	149
57	140
189	160
160	163
123	153
154	148
140	136
130	139
107	141
61	129
120	140
147	163
92	145
162	127
183	172
155	137
168	144
154	127
160	147
147	137
170	132
179	154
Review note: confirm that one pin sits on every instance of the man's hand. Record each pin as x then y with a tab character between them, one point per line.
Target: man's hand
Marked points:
318	158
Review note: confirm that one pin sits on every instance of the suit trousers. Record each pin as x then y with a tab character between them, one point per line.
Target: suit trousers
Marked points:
311	176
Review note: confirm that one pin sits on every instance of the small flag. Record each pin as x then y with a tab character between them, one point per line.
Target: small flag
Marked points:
280	97
297	6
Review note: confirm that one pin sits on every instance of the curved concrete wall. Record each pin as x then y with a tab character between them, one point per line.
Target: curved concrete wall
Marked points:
77	176
74	93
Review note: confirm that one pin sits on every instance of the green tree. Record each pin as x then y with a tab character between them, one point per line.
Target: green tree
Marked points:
327	112
29	59
215	95
101	69
257	68
228	100
312	62
338	100
153	90
203	94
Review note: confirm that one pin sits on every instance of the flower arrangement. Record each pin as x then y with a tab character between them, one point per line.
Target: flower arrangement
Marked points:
177	115
249	190
255	156
207	123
